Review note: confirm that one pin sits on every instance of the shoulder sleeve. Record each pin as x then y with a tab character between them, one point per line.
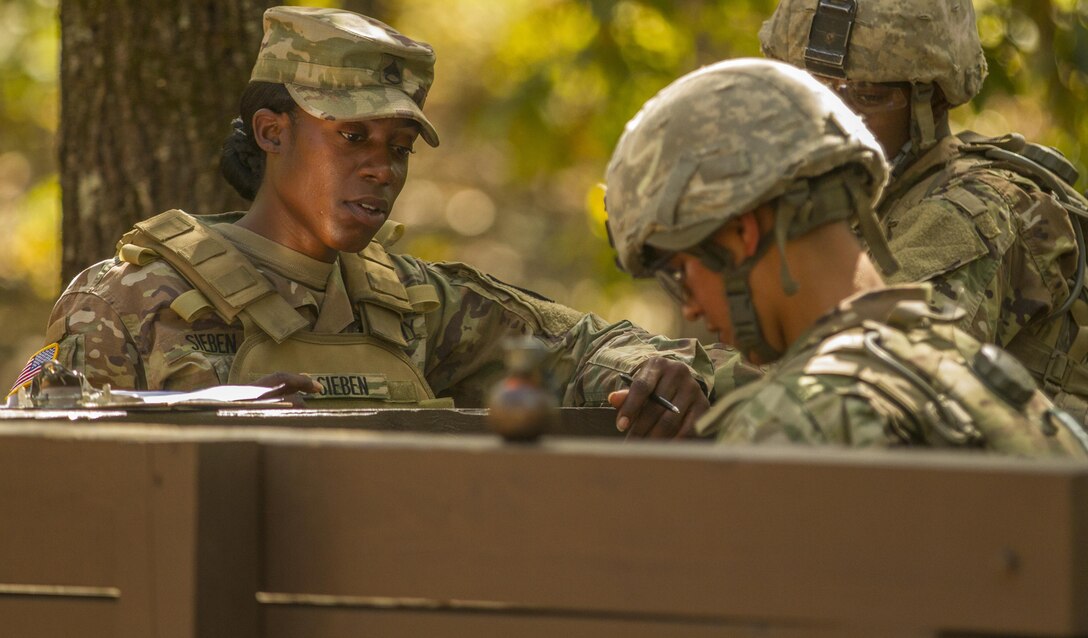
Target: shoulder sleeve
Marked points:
805	409
477	312
91	336
990	243
731	371
116	326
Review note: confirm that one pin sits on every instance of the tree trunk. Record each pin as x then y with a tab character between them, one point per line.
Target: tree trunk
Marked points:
148	93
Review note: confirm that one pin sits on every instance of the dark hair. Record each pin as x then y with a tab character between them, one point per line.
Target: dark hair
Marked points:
242	161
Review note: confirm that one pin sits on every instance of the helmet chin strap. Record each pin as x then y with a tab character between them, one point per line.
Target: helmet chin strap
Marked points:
747	332
925	129
806	205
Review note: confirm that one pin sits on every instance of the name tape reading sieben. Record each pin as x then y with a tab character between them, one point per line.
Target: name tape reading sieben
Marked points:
343	385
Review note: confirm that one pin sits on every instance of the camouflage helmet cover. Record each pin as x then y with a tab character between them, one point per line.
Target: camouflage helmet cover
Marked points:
340	65
920	41
718	143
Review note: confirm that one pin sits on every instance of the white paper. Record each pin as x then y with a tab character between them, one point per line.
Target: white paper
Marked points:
215	394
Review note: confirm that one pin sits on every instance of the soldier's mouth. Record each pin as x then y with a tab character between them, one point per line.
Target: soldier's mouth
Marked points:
370	211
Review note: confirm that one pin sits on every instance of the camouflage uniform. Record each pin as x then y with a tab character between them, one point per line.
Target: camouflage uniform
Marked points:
883	368
189	304
115	323
339	65
829	387
995	244
988	230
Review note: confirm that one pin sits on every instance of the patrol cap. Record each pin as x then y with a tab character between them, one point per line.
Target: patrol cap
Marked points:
339	65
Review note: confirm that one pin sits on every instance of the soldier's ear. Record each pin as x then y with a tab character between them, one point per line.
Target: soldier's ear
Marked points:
749	233
270	130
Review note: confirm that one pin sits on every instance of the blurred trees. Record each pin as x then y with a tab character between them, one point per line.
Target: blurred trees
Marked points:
147	100
541	90
530	96
1038	83
29	106
537	93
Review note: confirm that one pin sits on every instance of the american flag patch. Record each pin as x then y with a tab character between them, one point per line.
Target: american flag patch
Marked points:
48	353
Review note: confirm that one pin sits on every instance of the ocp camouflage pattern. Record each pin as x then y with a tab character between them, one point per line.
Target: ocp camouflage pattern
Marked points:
987	236
990	241
333	49
114	323
829	388
339	65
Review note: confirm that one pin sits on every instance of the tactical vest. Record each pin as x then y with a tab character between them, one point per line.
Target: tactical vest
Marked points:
367	369
1063	375
941	398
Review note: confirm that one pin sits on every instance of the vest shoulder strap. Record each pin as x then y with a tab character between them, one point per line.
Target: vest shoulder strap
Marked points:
371	278
389	234
1053	369
1044	165
218	270
986	399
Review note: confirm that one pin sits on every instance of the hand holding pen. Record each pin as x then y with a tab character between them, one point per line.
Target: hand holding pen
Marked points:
677	400
655	397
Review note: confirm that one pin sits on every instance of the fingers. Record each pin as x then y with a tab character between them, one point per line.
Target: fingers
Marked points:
616	399
638	412
693	414
641	417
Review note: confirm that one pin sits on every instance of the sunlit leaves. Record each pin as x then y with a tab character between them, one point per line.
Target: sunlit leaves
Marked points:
546	41
30	242
29	102
595	211
530	98
646	38
1038	54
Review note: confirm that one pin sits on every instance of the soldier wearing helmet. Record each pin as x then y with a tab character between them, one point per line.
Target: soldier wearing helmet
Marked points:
300	291
992	223
738	187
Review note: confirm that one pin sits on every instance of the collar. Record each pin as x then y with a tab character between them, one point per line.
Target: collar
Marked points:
907	173
867	305
268	255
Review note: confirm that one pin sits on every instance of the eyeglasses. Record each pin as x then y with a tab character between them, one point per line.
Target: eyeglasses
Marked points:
671	279
869	97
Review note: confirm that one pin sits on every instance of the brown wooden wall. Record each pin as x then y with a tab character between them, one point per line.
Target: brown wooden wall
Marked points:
129	530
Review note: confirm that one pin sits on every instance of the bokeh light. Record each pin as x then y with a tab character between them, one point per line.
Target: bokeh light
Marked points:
530	97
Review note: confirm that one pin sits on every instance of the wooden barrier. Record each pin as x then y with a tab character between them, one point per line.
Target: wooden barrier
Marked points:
580	422
155	530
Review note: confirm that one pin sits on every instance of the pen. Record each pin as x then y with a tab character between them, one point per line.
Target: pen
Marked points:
657	398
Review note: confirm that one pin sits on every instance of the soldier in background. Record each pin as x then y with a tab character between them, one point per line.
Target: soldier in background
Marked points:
737	186
993	224
302	282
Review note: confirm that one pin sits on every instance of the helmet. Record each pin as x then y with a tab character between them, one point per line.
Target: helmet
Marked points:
718	143
920	41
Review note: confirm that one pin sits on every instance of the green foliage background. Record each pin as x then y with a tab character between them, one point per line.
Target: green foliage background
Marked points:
530	97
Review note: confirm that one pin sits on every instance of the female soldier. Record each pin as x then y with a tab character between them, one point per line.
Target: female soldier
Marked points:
302	283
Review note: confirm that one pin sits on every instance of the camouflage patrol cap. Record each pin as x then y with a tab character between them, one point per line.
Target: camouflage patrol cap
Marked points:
920	41
340	65
718	143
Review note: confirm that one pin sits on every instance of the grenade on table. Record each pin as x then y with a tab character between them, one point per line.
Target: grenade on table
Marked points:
520	407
